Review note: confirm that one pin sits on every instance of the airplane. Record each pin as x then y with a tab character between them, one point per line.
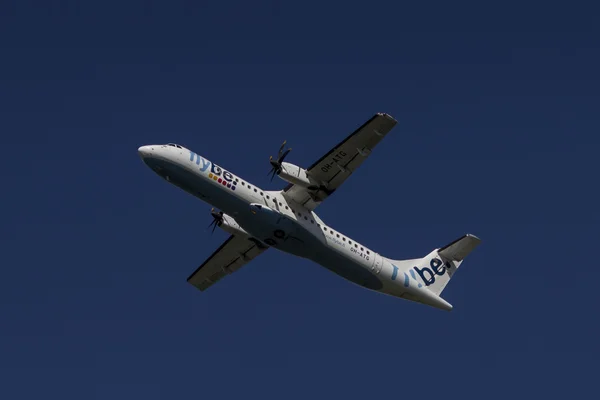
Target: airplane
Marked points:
258	219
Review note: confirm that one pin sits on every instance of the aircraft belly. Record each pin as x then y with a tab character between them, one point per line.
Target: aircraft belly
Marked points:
278	231
301	242
347	268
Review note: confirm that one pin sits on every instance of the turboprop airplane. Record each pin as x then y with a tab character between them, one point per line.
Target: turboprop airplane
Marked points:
285	219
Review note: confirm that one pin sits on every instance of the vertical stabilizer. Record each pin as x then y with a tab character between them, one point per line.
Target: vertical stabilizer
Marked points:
437	268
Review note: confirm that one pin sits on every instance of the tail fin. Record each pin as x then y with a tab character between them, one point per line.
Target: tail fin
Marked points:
436	269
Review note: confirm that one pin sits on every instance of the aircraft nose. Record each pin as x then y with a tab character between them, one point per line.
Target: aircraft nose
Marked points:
145	151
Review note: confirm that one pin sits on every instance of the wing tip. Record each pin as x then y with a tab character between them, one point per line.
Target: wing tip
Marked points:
387	116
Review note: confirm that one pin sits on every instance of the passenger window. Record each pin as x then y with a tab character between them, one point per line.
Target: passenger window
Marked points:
305	218
344	239
361	249
355	245
368	252
261	193
312	222
338	235
268	197
255	190
286	207
330	231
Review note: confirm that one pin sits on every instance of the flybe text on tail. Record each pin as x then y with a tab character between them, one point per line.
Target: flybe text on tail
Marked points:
436	267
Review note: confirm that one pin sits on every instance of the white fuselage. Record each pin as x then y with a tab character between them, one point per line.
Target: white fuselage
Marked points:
272	219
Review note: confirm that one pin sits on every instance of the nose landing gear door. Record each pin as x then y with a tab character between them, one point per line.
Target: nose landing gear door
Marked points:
377	263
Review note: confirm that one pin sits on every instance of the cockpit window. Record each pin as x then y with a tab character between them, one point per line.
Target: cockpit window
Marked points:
174	145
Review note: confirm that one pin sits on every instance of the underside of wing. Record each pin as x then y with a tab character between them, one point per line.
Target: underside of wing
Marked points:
331	170
233	254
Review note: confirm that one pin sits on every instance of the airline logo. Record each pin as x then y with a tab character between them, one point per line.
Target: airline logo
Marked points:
412	275
407	277
216	173
437	268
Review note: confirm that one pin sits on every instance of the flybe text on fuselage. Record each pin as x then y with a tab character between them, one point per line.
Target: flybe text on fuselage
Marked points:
215	172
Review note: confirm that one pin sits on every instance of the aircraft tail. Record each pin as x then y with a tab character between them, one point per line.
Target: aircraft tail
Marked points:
436	269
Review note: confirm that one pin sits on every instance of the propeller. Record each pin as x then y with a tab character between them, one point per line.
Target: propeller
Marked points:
276	164
218	219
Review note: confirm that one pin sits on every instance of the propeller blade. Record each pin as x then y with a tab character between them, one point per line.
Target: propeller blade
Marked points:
217	219
213	222
281	148
276	164
284	155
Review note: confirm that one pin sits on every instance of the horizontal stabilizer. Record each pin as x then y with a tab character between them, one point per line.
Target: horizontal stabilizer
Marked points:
460	248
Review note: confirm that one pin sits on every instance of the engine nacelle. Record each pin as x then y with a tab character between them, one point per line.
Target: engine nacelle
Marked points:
228	224
294	174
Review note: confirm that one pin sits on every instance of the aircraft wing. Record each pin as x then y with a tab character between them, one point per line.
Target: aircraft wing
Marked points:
233	254
337	165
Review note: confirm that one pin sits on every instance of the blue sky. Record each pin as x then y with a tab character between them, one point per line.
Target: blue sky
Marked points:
497	109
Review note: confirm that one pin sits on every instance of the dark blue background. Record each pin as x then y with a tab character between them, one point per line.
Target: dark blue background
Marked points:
497	108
